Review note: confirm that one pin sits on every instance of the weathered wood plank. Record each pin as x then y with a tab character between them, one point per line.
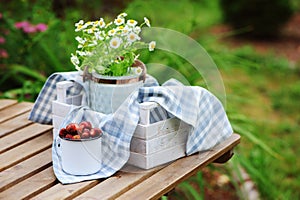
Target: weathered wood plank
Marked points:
25	169
22	135
167	178
59	191
117	184
14	124
15	110
6	102
31	186
25	150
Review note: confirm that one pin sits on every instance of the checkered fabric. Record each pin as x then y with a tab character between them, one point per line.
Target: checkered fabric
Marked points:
192	104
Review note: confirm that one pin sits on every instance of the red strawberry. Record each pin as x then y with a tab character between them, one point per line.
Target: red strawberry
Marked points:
69	136
80	129
72	128
62	133
85	134
95	132
86	124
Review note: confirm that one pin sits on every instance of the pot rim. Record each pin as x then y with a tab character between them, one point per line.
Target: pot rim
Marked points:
130	78
81	140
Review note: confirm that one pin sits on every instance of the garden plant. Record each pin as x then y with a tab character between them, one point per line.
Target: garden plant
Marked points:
262	90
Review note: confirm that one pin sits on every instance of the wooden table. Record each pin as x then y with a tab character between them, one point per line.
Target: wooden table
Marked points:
26	166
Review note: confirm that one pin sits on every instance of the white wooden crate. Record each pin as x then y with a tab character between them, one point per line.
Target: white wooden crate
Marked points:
152	144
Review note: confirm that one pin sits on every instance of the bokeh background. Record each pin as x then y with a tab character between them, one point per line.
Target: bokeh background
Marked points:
255	44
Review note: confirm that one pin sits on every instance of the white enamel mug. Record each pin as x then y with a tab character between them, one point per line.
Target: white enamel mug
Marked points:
80	157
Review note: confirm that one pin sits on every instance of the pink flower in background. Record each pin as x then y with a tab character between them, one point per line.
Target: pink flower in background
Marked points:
3	53
2	40
30	28
21	25
41	27
0	15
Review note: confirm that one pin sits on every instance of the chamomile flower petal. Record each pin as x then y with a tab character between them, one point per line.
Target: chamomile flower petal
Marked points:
80	40
131	22
80	23
101	23
138	70
132	37
111	32
74	59
115	42
137	29
152	45
119	21
147	22
122	15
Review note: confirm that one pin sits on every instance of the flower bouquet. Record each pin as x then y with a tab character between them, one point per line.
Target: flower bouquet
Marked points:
107	55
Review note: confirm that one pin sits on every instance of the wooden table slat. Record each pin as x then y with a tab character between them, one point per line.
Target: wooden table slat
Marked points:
6	103
14	124
167	178
25	169
12	111
25	150
117	184
38	183
23	135
59	191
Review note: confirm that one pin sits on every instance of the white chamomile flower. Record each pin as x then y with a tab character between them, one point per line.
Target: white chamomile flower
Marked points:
138	70
152	45
132	37
101	23
75	60
147	22
89	23
137	29
90	30
119	21
115	42
80	23
111	32
80	40
125	30
81	53
79	26
98	35
131	22
122	15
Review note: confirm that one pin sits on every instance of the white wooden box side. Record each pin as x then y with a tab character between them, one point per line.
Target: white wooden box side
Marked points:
158	158
158	128
159	143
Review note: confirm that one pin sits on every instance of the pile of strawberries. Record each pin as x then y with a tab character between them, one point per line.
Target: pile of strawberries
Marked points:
84	130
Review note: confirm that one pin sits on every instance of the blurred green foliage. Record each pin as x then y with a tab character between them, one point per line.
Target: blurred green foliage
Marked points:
259	18
262	90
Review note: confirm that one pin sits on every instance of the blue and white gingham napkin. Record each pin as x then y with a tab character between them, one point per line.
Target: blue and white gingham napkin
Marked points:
194	105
